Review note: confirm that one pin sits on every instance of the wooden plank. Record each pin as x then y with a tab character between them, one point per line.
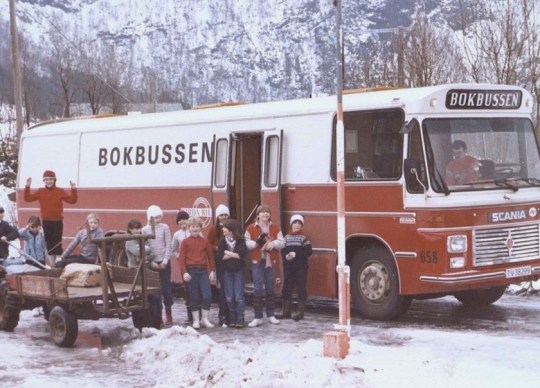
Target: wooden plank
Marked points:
126	275
122	290
43	287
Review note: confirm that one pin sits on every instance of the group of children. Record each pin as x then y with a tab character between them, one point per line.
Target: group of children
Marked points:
219	258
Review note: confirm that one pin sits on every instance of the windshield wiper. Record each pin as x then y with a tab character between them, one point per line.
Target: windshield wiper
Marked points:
531	181
506	183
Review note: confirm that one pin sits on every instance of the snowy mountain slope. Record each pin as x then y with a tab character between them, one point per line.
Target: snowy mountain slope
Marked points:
219	50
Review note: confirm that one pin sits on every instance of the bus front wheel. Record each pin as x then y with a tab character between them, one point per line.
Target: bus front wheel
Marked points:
480	298
375	285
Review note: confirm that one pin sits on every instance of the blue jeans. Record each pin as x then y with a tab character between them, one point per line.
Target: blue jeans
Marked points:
199	284
166	286
263	284
233	282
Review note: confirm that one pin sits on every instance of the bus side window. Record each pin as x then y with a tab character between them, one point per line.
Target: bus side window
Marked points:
373	145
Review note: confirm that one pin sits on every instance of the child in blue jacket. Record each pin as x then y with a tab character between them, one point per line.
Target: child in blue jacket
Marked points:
34	240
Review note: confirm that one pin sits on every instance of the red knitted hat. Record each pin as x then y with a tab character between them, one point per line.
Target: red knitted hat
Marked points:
49	174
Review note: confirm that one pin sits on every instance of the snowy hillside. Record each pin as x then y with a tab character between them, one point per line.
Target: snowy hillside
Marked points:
220	50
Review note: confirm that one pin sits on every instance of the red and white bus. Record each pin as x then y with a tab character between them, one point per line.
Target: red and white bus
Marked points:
409	233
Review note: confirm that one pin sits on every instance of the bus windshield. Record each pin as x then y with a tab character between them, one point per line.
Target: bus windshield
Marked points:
481	153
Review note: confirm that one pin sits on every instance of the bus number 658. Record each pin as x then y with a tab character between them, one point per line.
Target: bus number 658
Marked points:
429	257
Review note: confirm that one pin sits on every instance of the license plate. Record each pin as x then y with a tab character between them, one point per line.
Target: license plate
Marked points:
519	271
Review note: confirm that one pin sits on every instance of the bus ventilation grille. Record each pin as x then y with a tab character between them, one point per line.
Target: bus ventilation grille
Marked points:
507	244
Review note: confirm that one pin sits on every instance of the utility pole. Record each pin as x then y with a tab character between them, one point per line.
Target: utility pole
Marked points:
401	71
336	344
16	69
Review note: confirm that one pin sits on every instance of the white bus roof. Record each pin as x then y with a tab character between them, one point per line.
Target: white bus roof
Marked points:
413	100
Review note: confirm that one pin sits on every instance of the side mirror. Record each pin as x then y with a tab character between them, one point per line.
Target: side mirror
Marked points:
412	170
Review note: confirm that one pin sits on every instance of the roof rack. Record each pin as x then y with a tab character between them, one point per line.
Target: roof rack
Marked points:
63	119
219	105
372	89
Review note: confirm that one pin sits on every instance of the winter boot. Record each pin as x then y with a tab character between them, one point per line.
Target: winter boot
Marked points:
189	319
196	321
286	310
300	314
204	321
168	316
240	323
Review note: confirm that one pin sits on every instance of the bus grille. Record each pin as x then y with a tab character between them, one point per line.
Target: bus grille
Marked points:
508	244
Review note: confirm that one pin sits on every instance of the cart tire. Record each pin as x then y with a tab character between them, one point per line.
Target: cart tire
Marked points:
9	309
480	298
120	258
64	327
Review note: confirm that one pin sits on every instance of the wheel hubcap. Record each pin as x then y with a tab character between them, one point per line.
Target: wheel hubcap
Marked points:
374	282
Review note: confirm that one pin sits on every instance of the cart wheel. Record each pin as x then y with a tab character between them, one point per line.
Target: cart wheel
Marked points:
9	309
120	258
64	327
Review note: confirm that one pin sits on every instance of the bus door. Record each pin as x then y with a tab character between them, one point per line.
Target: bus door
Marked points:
271	188
247	173
236	174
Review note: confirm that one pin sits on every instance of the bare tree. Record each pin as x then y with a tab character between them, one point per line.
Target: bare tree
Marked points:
532	26
62	65
378	67
91	82
114	74
499	42
431	55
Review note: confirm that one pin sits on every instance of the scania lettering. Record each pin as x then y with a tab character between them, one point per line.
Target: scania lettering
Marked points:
508	216
412	230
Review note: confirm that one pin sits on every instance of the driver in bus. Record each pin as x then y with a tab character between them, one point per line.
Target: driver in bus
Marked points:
463	168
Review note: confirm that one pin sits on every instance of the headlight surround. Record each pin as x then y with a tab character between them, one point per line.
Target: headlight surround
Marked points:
456	244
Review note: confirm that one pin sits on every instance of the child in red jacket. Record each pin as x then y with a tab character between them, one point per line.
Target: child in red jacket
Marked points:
50	200
197	267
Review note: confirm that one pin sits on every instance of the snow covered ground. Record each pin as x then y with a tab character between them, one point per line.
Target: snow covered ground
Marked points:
286	355
111	353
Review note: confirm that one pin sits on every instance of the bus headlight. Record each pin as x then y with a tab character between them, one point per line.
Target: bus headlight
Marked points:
457	262
456	244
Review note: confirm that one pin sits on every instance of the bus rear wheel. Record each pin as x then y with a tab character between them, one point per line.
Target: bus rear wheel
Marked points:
375	285
480	298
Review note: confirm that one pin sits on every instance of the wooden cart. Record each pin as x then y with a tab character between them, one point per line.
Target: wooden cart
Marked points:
123	292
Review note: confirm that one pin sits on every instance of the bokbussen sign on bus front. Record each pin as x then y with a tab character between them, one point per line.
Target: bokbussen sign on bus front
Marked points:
483	99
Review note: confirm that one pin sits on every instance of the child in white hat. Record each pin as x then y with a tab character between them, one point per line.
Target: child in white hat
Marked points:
161	251
295	266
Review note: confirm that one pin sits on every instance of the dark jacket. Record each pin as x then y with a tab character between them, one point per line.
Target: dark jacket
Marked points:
300	244
232	264
10	233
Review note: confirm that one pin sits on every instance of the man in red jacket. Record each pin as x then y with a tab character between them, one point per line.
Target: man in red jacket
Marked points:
51	206
463	168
